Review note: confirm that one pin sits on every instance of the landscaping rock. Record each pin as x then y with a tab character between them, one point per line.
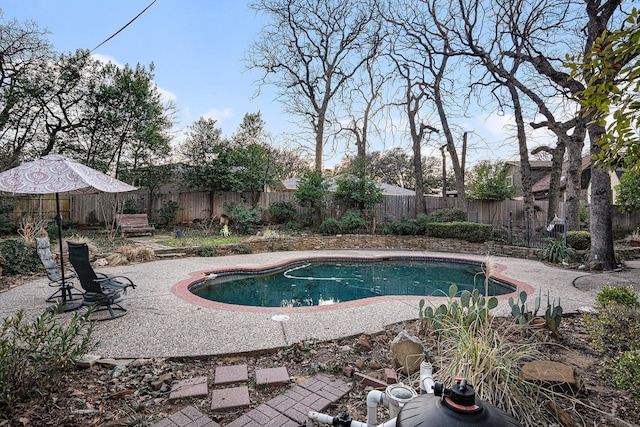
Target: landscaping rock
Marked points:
407	352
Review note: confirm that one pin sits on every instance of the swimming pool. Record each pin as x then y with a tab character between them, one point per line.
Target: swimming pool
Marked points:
316	282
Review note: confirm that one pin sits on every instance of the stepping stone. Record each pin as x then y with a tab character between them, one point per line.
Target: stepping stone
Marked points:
231	374
192	387
225	399
272	376
188	416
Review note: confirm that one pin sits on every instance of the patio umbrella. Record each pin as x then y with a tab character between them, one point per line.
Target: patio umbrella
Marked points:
56	174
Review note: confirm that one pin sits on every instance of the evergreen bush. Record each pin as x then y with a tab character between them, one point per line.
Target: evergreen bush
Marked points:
579	240
616	328
330	226
352	222
447	215
469	231
18	257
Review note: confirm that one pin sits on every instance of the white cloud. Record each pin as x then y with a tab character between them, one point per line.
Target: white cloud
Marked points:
219	115
106	59
167	95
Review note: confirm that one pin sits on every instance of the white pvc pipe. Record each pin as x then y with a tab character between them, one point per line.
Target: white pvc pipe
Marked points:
328	419
374	398
426	378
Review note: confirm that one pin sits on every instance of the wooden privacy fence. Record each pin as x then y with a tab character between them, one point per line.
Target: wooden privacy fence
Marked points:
200	206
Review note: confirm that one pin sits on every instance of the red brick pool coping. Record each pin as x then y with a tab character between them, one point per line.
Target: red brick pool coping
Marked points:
181	289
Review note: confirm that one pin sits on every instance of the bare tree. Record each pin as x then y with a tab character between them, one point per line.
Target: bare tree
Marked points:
423	45
364	99
597	16
310	49
24	50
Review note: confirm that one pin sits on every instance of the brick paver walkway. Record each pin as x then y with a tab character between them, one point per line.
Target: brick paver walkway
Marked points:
286	410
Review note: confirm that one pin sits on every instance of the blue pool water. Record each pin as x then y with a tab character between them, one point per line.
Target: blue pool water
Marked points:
314	283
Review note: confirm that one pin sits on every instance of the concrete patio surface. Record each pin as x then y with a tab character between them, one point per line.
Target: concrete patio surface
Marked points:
160	323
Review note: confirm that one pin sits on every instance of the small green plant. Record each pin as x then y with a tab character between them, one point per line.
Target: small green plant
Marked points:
626	372
621	295
524	314
471	307
616	328
34	355
18	257
555	251
206	251
553	316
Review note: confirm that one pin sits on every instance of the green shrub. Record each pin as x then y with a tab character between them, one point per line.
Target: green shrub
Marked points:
34	355
7	225
168	213
206	251
448	215
282	212
421	223
241	249
352	222
625	374
555	251
330	226
18	257
579	240
131	207
469	231
616	328
244	218
399	227
620	295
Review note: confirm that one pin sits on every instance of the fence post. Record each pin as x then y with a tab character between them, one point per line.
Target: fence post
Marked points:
509	228
564	232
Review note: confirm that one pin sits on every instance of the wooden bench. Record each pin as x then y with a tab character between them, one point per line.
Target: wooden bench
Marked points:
134	225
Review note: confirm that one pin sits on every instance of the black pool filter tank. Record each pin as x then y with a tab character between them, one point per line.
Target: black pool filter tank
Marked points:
457	408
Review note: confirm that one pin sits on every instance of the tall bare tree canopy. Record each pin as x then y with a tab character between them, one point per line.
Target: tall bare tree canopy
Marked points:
310	49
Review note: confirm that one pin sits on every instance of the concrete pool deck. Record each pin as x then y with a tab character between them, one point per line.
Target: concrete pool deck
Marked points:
161	323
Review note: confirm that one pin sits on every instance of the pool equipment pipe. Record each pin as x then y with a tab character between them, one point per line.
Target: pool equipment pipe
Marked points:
426	378
457	407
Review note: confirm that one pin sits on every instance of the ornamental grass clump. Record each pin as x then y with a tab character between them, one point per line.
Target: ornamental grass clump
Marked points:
473	344
35	354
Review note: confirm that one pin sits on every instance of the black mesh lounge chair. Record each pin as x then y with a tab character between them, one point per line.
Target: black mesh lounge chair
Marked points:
102	291
43	247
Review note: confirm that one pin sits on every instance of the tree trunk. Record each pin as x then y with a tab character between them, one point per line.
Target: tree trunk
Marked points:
525	166
574	154
602	254
417	167
319	141
557	161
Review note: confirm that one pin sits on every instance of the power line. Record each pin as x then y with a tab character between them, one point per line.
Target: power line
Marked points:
126	25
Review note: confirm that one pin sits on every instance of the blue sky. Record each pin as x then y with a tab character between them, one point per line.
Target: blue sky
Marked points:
197	48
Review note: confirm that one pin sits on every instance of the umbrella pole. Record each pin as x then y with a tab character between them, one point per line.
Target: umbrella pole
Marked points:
67	303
